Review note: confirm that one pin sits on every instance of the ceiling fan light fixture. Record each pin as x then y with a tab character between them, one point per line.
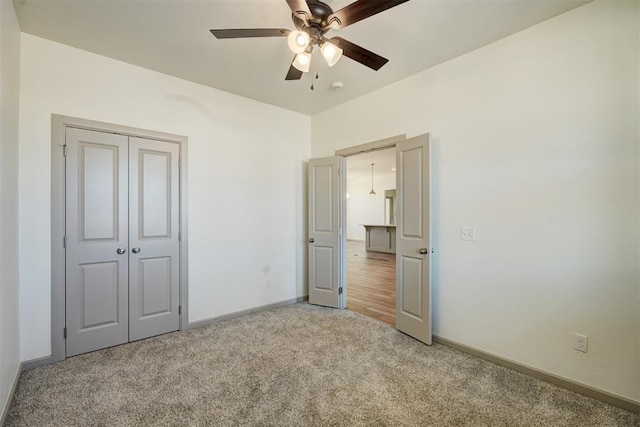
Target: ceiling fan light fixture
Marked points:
302	62
298	41
331	53
312	19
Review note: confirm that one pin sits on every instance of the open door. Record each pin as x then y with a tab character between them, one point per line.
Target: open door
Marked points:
413	250
325	237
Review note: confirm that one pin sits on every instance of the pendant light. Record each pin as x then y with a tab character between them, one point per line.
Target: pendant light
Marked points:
372	192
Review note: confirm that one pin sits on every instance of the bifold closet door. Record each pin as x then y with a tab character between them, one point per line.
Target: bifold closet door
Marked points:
153	238
96	240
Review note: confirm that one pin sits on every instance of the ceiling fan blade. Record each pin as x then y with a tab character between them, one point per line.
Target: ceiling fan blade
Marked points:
300	9
294	73
359	10
359	54
250	32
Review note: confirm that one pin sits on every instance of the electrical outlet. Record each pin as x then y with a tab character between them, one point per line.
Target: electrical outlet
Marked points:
468	233
580	342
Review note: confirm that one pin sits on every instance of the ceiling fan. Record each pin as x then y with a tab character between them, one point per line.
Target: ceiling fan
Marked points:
312	19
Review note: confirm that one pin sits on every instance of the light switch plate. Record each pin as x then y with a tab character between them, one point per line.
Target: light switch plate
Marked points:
468	233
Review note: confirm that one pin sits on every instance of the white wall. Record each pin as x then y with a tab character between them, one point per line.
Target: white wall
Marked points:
246	179
9	108
363	208
534	143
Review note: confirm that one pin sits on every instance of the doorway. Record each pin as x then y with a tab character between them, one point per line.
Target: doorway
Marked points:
119	247
327	235
370	248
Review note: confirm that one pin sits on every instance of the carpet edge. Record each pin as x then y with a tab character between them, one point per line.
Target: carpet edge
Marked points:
580	388
241	313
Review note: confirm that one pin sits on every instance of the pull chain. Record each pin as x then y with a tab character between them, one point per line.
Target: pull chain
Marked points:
311	74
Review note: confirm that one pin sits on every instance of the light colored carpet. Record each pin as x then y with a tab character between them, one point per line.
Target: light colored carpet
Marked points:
296	366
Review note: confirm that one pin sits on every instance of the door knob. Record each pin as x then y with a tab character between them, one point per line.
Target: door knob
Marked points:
135	250
120	251
311	240
423	251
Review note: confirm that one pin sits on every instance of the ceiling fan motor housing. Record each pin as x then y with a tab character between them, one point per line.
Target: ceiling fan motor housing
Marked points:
318	23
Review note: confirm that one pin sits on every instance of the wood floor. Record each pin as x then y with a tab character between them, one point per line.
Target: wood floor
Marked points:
371	282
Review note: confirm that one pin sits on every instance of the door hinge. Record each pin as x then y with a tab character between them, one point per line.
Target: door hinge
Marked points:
339	172
179	309
64	241
340	290
64	150
179	236
179	163
64	332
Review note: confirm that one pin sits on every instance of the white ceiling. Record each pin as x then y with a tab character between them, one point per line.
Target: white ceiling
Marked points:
172	36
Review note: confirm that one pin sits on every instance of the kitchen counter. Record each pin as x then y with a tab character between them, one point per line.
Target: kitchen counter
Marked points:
380	237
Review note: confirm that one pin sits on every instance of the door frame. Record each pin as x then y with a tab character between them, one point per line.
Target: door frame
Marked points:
59	123
381	144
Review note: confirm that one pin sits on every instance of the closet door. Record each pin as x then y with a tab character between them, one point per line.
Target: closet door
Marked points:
96	240
153	238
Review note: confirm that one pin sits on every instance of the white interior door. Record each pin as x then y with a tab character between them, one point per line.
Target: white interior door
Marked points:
326	242
413	250
154	295
122	239
96	240
153	238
